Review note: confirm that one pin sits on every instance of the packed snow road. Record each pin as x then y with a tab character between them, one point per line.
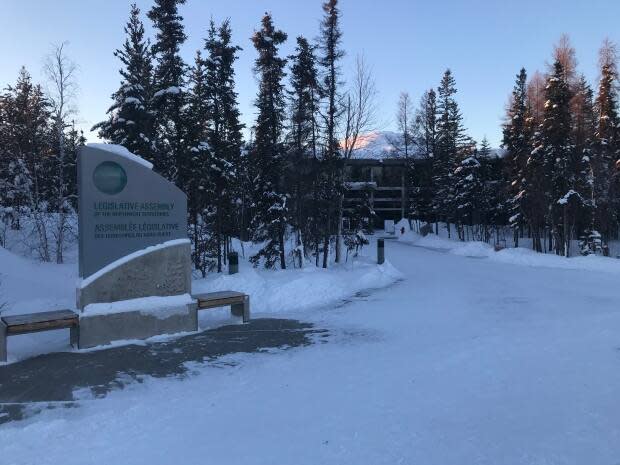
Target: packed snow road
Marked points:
465	361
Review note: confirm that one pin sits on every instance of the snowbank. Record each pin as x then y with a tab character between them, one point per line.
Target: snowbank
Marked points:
121	151
517	256
27	285
528	257
297	290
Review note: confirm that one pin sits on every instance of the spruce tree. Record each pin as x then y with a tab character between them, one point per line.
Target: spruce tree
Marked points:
517	142
420	174
584	128
426	122
269	220
27	135
197	182
168	85
467	188
223	134
607	144
450	136
302	145
494	202
130	122
553	146
332	164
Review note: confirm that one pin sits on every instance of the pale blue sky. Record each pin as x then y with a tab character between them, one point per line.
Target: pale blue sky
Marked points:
408	43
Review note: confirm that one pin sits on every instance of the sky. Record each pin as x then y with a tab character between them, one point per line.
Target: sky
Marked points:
408	44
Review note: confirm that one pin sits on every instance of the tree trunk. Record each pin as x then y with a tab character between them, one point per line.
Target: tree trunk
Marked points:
339	229
566	232
282	254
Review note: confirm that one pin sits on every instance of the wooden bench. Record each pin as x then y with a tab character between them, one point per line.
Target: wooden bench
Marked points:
238	301
34	322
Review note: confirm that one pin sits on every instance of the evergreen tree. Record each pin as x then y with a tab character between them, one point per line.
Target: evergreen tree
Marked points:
532	197
168	99
303	140
517	143
332	182
26	132
450	135
197	182
130	122
269	221
420	174
426	123
557	150
468	188
74	140
607	144
494	201
223	134
584	128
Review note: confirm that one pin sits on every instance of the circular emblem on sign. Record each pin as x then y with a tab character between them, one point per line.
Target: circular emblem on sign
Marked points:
110	178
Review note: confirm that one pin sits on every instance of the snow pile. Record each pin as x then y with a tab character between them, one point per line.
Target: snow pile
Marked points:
159	307
528	257
121	151
297	290
474	249
516	256
30	286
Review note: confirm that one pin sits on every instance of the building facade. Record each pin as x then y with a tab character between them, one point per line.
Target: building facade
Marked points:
379	183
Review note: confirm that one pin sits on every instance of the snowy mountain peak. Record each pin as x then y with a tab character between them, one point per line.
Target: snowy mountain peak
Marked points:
378	145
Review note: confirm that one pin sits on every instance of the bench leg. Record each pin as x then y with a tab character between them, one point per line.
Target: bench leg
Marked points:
242	310
74	336
3	351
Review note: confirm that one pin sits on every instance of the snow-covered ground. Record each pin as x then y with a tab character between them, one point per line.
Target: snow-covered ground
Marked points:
27	285
464	361
519	255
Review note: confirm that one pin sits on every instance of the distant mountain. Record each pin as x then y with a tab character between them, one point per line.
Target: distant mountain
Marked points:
379	145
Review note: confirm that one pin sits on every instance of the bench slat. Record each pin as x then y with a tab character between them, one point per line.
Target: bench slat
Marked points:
219	302
32	322
219	299
219	295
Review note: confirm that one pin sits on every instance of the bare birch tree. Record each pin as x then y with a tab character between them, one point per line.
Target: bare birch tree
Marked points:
61	73
405	122
360	106
360	111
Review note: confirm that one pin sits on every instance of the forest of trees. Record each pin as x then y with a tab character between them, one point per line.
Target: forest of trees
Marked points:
287	182
38	150
555	182
284	187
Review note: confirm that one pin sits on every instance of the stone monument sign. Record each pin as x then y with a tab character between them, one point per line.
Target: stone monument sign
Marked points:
123	206
134	255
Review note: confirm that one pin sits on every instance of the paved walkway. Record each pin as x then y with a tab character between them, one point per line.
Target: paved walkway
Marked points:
50	380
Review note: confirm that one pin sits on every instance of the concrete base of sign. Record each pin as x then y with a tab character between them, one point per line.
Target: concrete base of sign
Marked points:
156	271
101	329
